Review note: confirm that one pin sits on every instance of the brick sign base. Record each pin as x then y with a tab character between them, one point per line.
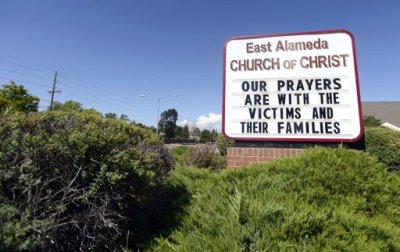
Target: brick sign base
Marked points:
239	156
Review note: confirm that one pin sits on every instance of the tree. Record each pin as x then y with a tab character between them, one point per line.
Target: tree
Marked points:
182	132
194	132
205	136
111	115
185	131
214	135
17	98
208	136
179	132
69	105
124	117
167	123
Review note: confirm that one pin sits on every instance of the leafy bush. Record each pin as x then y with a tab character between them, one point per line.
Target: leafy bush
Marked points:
371	121
326	199
385	145
223	143
204	156
178	154
74	181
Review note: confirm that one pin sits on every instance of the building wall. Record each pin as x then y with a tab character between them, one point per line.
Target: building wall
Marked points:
239	156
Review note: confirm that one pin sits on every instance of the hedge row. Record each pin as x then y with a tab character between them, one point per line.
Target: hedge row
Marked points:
326	199
385	145
74	181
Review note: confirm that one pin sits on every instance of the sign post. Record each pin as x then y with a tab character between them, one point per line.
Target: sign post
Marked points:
298	87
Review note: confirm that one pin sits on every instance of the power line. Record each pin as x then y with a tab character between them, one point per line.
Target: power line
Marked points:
39	66
138	110
96	90
117	106
25	66
23	81
31	75
134	107
100	101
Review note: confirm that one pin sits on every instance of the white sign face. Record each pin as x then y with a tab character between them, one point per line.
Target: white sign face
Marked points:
292	87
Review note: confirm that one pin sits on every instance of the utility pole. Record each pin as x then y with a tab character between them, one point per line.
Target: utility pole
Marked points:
53	91
158	106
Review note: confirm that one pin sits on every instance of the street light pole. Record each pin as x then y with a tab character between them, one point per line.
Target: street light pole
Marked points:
158	106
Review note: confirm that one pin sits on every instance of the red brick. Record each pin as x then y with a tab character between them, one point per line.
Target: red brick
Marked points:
236	158
264	159
264	152
250	159
257	152
247	152
287	152
238	164
277	152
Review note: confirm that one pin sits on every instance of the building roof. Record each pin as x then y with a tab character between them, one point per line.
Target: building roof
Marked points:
387	112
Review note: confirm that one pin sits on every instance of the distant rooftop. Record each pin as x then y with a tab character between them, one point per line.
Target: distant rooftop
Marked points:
385	111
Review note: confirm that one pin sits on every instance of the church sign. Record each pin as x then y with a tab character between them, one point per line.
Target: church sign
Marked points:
292	87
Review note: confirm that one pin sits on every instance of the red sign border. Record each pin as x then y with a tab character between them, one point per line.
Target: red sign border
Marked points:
295	139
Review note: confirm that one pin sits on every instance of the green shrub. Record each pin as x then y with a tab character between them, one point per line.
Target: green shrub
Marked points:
371	121
326	199
178	154
204	156
223	144
385	145
74	181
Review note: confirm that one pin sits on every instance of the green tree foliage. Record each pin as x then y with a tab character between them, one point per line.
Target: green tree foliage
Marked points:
371	121
17	98
185	131
385	145
223	143
207	136
69	105
72	181
124	117
110	115
182	132
324	200
179	132
167	123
